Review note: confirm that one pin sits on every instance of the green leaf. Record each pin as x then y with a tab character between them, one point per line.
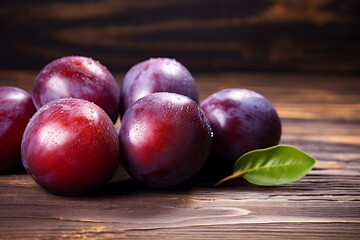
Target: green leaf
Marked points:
272	166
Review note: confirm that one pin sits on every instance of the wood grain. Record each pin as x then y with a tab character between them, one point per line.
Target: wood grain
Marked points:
206	35
322	118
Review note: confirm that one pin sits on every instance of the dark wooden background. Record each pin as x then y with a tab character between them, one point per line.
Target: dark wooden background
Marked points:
205	35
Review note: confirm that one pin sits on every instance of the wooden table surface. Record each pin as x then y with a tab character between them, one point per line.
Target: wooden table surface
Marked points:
320	115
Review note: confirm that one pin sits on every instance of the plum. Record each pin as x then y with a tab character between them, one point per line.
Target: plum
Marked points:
165	139
156	75
77	77
16	109
242	120
70	147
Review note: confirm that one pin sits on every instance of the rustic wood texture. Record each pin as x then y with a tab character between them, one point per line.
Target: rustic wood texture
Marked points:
320	114
207	35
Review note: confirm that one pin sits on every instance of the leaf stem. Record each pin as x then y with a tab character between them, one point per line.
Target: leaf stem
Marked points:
232	176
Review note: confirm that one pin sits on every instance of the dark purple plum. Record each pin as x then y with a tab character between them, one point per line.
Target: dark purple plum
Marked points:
16	109
241	120
156	75
77	77
165	139
70	147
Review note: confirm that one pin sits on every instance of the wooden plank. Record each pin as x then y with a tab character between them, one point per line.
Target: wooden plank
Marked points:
207	35
125	208
320	114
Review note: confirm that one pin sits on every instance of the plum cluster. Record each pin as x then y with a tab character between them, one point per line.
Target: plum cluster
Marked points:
65	136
